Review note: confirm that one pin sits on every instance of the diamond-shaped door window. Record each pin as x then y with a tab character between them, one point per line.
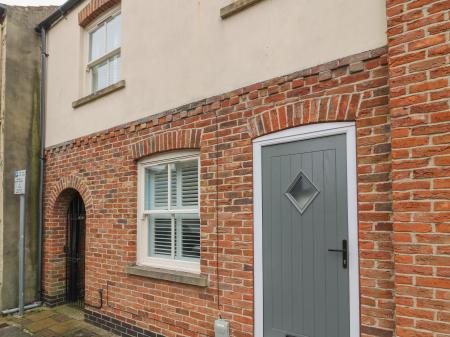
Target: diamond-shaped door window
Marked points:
302	192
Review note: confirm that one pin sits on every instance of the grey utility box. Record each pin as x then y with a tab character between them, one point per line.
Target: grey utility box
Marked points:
222	328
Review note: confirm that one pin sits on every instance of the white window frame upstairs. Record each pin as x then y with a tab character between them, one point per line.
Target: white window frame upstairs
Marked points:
143	215
108	56
304	133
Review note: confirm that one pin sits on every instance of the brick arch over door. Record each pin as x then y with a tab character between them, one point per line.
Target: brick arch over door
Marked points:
315	110
55	234
71	182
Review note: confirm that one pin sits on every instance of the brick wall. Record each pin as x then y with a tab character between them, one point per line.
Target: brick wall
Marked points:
102	167
94	9
419	72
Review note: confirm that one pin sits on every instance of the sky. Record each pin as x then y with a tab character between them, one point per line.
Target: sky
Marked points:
32	2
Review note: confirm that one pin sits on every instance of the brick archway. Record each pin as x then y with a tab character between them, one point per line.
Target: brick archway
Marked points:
167	141
334	108
55	235
70	182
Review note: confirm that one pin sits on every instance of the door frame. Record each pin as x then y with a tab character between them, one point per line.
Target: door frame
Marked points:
305	133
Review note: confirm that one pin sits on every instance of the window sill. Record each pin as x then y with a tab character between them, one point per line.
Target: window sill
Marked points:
236	7
168	275
96	95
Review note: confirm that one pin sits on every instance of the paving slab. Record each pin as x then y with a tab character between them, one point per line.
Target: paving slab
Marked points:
39	316
65	327
46	333
40	325
62	321
12	331
81	333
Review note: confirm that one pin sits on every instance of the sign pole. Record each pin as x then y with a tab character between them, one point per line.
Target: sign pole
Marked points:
19	189
21	254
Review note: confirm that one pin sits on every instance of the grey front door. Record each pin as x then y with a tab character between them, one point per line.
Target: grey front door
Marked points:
306	280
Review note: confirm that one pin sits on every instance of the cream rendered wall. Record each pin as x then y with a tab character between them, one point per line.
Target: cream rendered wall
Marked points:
178	51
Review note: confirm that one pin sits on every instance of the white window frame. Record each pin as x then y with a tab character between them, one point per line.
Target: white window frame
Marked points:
142	220
304	133
90	64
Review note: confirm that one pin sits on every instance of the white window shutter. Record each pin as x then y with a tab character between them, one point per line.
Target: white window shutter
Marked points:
172	234
189	185
162	236
190	241
174	189
114	69
160	189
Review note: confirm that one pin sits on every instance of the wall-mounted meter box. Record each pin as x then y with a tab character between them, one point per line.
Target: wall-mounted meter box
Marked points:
222	328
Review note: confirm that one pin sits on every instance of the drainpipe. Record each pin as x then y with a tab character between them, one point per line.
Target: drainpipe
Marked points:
27	307
41	158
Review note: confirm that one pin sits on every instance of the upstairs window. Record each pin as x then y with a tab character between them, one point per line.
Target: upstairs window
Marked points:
170	225
104	53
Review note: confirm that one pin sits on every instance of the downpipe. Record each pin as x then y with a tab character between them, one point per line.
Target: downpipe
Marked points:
42	94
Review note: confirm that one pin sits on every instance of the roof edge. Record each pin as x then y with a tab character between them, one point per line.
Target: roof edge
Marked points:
60	12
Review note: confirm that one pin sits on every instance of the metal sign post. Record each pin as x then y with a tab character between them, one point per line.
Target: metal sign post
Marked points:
19	189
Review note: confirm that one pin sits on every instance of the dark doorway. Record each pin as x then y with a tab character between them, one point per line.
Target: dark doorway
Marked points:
75	251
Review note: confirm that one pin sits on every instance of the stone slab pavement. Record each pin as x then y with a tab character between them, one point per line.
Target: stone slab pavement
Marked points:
62	321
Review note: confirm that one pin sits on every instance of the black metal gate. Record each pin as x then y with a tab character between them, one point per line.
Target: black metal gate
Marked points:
75	248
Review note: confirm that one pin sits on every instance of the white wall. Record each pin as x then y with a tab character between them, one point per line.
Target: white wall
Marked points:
178	51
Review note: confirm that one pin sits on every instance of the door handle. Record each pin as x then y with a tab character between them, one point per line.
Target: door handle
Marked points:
344	252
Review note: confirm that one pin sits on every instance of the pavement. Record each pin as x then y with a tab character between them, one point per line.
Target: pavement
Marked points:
62	321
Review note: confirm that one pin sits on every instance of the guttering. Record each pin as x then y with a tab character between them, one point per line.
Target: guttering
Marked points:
63	10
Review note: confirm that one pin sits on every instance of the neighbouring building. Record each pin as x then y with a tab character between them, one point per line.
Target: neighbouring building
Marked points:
280	164
19	145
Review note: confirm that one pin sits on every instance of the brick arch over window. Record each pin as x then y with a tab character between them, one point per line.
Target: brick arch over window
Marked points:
319	109
55	234
167	141
94	9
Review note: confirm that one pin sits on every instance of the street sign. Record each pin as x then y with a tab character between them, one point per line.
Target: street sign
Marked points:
19	182
19	189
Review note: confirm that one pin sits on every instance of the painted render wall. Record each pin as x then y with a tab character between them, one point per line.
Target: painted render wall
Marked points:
20	146
173	53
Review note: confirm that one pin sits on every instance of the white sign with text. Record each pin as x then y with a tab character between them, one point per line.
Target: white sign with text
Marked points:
19	182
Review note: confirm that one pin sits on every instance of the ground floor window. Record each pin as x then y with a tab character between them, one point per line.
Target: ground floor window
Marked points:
169	221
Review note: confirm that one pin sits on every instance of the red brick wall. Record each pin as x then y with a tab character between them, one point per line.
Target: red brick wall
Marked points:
222	127
419	72
94	9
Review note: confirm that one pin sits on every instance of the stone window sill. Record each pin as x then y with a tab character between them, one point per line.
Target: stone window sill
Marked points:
236	7
96	95
168	275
